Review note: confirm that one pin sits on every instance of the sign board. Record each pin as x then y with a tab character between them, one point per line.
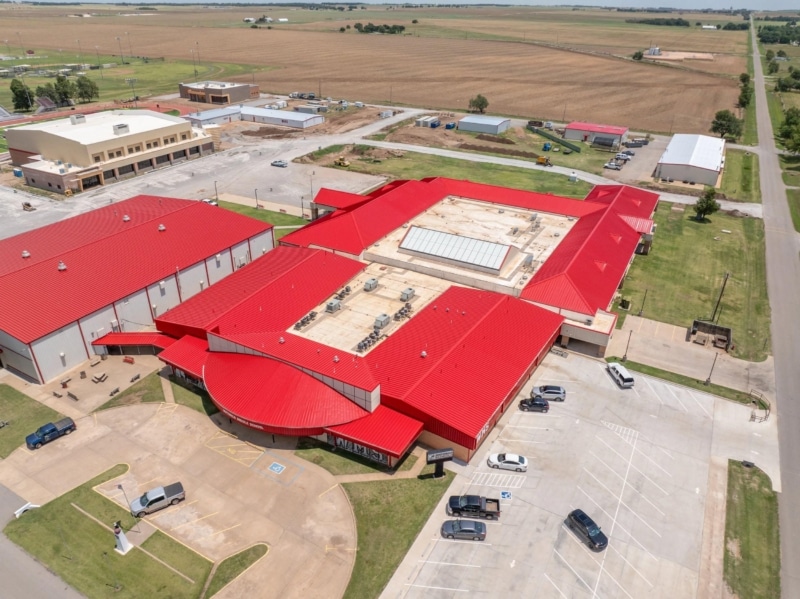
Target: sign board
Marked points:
277	468
439	455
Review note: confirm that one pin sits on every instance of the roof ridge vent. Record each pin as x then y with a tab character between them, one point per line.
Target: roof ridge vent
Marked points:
161	227
125	218
61	265
26	254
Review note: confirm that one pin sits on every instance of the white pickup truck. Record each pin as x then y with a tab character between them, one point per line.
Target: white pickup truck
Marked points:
156	499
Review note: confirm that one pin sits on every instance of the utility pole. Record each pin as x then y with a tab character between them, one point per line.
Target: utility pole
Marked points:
625	357
722	291
121	54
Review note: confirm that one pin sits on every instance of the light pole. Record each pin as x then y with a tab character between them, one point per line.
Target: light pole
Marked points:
643	301
194	64
80	52
625	357
197	51
127	502
121	55
97	53
216	193
132	82
130	49
256	191
311	178
8	48
708	380
21	47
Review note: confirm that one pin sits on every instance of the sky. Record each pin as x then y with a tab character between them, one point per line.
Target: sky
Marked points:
762	5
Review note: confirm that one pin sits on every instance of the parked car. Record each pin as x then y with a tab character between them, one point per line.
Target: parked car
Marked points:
550	392
156	499
613	166
49	432
464	529
620	374
210	201
474	506
279	163
508	461
629	152
622	156
586	528
534	404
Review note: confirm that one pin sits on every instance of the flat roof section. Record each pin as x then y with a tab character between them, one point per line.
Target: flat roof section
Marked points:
466	250
701	151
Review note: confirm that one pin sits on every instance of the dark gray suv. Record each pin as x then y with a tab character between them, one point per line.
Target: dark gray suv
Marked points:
534	404
586	528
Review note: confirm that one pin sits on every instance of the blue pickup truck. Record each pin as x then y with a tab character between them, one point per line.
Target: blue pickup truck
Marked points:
48	432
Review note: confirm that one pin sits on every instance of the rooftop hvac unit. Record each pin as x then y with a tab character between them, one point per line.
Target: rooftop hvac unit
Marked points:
162	228
62	266
121	129
528	260
333	306
77	119
407	294
26	254
125	218
370	284
382	320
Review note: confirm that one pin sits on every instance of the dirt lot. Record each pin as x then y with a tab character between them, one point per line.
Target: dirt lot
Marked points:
520	79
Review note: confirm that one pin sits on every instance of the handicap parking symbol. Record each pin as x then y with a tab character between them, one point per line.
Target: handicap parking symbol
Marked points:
505	494
277	468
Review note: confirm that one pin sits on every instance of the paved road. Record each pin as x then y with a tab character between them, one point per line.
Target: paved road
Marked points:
20	576
783	285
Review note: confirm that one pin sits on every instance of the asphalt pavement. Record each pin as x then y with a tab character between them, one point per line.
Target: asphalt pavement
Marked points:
783	286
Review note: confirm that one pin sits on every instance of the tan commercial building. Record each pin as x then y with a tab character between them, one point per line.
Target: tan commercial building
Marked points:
84	151
218	92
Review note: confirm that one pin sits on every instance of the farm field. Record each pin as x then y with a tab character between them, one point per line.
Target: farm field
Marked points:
519	78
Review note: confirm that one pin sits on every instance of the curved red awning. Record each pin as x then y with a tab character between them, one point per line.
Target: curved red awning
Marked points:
272	396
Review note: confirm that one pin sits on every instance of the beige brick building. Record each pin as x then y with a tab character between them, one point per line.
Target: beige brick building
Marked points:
83	151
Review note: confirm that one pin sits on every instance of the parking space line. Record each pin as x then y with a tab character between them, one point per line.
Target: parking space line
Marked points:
614	580
536	428
422	586
554	586
450	564
566	563
629	486
650	480
575	540
692	395
621	503
494	479
476	544
661	401
193	521
219	532
625	530
671	392
632	567
177	509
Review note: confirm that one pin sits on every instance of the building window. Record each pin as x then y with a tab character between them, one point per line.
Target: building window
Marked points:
183	137
33	180
58	186
98	157
149	145
49	184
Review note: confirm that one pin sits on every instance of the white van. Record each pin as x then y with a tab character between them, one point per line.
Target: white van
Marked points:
620	374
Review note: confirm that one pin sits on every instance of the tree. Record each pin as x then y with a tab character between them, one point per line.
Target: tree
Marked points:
706	204
769	55
22	97
479	103
342	29
782	53
793	142
725	124
86	89
414	22
638	55
790	124
772	67
47	91
745	95
744	78
65	89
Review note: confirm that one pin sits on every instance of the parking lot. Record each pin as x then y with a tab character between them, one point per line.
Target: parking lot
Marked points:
636	460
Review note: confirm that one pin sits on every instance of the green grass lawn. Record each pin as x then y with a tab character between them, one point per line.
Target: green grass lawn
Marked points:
752	535
233	566
793	196
718	390
413	165
750	133
192	397
684	272
24	416
146	390
740	178
80	551
775	114
791	169
342	462
267	216
389	516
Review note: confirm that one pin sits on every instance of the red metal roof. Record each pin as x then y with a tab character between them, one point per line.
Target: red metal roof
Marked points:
597	128
624	199
154	339
643	226
38	299
478	346
272	396
188	354
338	199
384	430
269	294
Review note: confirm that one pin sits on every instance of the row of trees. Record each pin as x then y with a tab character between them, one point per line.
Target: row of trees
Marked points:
370	28
61	92
663	22
745	90
789	130
775	34
772	64
790	83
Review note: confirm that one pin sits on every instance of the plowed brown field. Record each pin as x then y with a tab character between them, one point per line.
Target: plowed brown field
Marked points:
518	79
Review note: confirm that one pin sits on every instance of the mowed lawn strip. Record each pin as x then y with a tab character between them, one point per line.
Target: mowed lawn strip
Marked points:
81	551
413	165
233	566
793	197
24	415
342	462
740	179
267	216
791	169
194	398
146	390
389	516
684	271
752	536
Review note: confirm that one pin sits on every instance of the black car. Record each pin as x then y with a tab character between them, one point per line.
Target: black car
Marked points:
586	528
534	404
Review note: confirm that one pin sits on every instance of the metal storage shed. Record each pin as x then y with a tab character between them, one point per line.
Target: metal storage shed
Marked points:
581	131
476	123
695	158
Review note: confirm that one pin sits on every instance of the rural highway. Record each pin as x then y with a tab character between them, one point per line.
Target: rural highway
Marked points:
783	286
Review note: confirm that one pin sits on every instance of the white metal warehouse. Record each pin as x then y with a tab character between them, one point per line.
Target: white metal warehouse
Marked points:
692	158
268	116
478	123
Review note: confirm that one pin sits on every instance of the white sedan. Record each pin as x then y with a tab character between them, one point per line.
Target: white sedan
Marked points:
508	461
